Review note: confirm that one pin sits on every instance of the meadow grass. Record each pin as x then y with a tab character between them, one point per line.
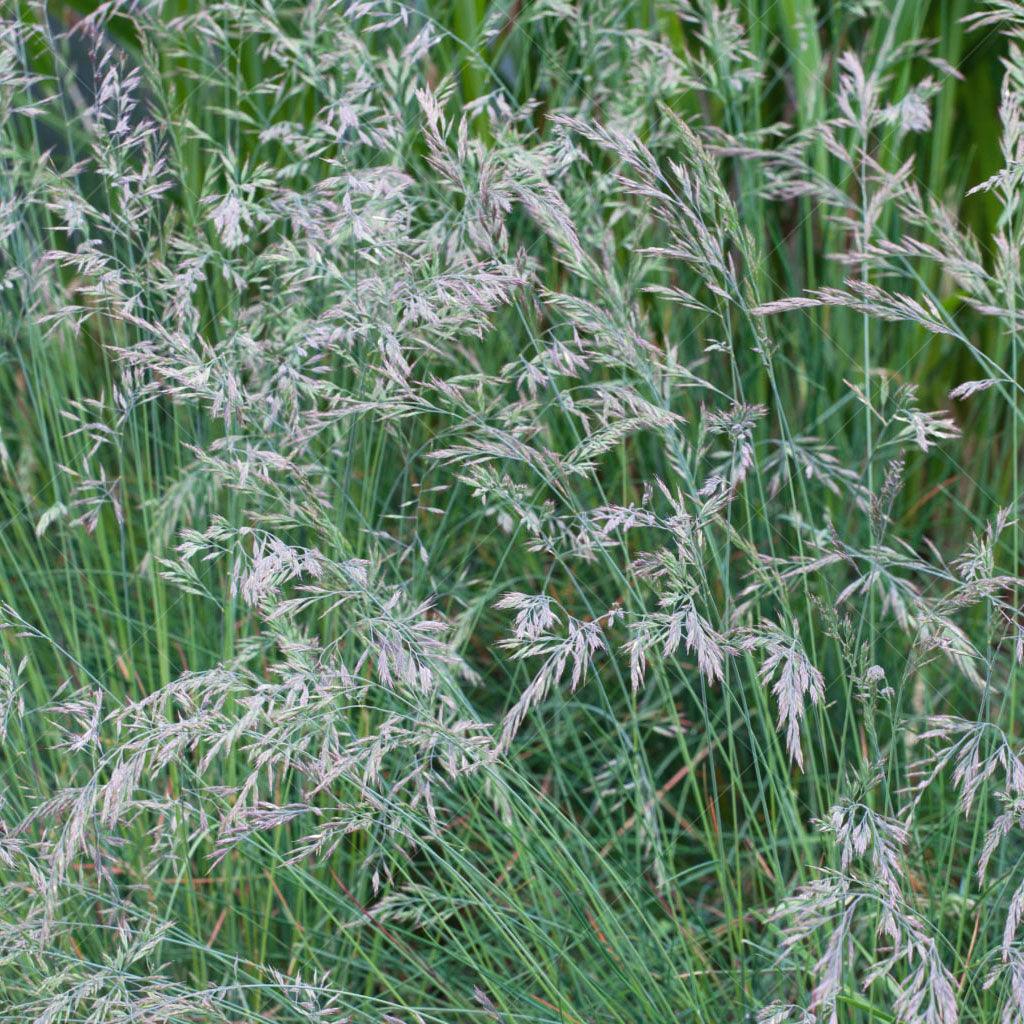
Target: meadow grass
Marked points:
510	511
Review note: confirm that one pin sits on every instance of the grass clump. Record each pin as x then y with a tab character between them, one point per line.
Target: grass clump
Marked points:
511	511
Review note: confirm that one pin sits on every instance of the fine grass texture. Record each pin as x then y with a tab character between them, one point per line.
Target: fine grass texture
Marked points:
510	512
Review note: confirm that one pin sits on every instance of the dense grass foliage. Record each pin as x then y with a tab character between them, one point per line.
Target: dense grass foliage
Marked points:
511	512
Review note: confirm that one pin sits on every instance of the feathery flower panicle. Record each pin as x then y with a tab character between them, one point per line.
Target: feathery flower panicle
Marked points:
582	641
792	677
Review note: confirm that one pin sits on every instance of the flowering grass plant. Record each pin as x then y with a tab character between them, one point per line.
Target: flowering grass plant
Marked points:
511	511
